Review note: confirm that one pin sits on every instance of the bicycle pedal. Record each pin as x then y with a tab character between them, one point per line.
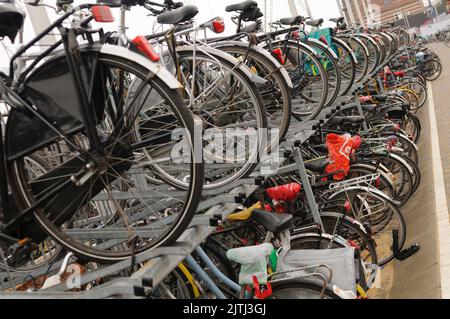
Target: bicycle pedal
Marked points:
408	252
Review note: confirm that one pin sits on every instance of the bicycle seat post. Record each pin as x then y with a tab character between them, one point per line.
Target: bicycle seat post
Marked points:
122	26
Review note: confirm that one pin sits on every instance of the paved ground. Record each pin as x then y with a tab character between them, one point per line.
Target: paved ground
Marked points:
419	276
441	91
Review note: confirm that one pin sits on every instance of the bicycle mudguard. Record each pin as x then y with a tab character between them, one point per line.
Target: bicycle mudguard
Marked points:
261	51
347	47
282	43
215	52
50	89
366	49
401	160
324	47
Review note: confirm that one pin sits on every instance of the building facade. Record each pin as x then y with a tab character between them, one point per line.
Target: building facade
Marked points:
369	12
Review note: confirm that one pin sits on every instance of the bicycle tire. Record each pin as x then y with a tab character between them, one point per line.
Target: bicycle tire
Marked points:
20	187
288	287
275	75
292	51
260	114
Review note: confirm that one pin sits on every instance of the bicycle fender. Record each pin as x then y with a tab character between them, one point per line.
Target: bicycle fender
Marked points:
349	219
304	46
324	47
263	52
347	47
215	52
157	69
366	49
400	159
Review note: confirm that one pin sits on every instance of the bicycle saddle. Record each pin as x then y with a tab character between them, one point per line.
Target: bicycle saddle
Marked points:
109	3
11	19
315	23
243	6
339	20
180	15
292	20
379	98
273	222
317	165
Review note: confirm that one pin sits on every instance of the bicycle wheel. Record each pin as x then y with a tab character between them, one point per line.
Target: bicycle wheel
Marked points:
46	250
109	210
233	114
309	77
417	176
331	67
275	93
337	224
347	66
408	148
314	241
410	125
374	52
447	42
400	175
383	183
419	88
300	289
432	69
176	286
361	54
380	216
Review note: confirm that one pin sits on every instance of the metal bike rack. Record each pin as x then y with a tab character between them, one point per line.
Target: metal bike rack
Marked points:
158	263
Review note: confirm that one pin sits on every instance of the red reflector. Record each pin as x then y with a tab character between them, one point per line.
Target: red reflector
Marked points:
279	55
357	142
296	34
347	206
218	25
144	46
378	182
322	38
353	244
102	14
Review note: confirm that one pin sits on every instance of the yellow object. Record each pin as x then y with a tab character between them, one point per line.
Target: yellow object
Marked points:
361	292
190	279
245	214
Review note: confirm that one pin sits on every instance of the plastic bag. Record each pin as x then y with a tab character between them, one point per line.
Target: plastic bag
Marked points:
284	193
339	147
253	260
